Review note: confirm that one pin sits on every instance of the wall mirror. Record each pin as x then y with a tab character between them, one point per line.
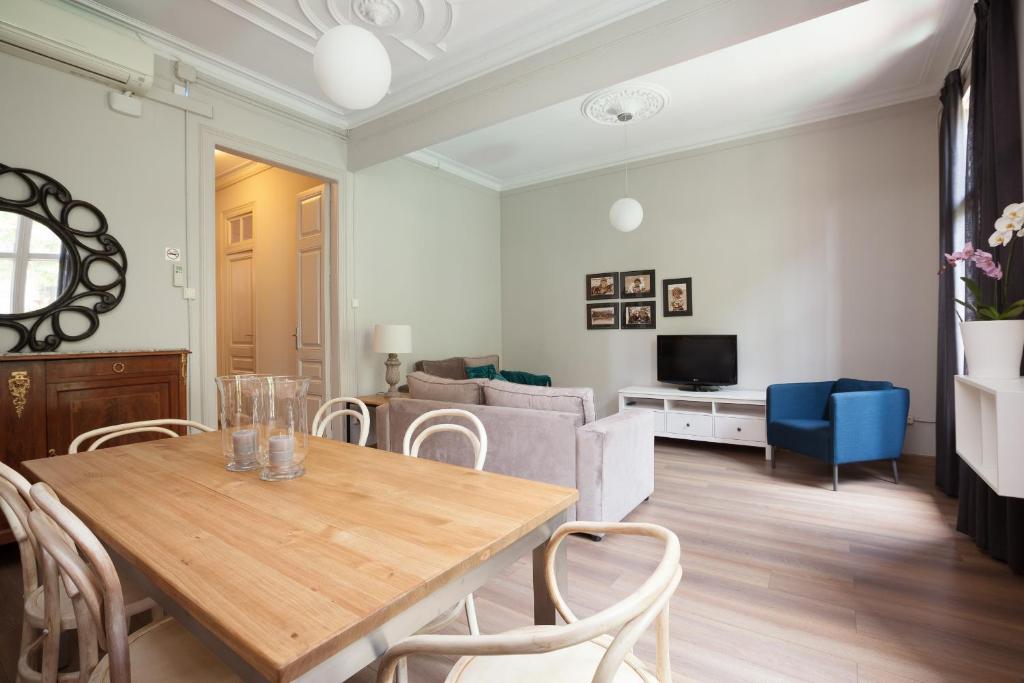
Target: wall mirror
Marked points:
59	267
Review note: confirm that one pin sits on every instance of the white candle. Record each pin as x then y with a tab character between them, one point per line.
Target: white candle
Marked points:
243	444
281	450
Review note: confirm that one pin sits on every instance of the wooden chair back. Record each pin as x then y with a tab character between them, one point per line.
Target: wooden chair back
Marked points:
478	439
104	434
16	511
324	416
627	619
71	553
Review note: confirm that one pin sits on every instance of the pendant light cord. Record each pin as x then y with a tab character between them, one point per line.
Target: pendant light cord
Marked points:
625	137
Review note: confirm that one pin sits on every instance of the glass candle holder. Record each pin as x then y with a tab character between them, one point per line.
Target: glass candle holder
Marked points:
239	399
284	435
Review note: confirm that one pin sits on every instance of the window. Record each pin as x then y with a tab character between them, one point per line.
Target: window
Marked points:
29	264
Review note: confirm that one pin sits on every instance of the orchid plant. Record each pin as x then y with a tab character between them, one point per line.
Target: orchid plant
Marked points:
1006	226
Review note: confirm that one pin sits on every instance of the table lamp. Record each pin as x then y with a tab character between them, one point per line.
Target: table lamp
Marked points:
392	340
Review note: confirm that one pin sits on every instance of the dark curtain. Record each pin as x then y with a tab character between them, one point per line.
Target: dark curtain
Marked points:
993	180
947	462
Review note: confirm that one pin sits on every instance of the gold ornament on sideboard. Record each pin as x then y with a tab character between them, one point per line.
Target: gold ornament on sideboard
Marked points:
19	383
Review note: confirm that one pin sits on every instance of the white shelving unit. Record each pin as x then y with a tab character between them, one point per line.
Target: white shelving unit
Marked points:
735	416
990	430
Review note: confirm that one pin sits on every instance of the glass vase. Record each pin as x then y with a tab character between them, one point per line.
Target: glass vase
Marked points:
239	400
284	434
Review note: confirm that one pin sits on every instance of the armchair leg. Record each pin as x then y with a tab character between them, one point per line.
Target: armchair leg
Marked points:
895	472
835	477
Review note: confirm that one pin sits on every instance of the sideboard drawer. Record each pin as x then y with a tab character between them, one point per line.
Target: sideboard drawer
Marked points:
690	424
740	428
112	367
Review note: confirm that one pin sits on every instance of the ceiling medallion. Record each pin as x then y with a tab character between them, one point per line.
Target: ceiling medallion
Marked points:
380	13
626	103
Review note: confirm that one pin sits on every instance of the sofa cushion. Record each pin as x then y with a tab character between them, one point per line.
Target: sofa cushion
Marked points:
482	360
432	388
484	372
811	437
451	368
561	399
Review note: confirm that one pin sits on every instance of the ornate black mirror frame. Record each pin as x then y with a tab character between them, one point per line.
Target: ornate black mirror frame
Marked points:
48	202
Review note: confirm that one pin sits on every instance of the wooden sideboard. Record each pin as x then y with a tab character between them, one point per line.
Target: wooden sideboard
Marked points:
46	400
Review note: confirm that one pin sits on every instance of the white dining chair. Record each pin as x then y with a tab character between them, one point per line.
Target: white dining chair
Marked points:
16	504
72	556
411	447
580	651
323	417
104	434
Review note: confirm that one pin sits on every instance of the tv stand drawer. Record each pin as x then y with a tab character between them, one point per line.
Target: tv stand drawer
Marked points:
689	424
740	428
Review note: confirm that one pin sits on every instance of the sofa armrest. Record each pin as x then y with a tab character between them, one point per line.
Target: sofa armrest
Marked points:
869	425
614	465
799	400
382	421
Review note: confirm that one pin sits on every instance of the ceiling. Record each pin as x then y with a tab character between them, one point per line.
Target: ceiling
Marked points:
225	162
865	56
267	45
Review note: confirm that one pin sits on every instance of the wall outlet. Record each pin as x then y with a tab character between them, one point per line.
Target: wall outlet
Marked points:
189	293
355	303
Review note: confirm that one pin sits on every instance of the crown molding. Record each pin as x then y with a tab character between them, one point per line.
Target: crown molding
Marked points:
440	162
771	130
243	171
226	76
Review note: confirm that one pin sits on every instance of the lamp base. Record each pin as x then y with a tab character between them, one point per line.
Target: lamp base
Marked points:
391	374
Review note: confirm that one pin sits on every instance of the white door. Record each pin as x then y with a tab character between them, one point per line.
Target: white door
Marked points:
236	290
310	333
241	313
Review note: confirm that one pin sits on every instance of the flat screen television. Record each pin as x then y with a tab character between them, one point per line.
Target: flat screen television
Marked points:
698	360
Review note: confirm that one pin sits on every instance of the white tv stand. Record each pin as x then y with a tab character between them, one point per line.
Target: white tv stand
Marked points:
734	416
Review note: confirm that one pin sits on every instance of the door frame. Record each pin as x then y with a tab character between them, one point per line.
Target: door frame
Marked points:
201	267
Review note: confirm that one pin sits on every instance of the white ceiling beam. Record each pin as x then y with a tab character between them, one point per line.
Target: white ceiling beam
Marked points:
669	33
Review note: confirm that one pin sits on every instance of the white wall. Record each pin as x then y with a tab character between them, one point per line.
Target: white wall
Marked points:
427	251
435	264
133	170
815	246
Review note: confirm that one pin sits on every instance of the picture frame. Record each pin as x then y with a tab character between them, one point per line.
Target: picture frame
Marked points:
677	296
603	316
639	315
637	284
602	286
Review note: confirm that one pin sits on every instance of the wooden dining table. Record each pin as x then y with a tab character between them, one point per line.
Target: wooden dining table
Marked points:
314	578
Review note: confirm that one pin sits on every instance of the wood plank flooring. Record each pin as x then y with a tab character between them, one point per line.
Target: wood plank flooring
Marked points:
783	580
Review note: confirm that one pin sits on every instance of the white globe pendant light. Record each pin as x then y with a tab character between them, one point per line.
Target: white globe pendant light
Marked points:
623	105
626	215
352	67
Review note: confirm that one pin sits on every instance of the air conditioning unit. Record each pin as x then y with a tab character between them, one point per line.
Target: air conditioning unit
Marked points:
50	32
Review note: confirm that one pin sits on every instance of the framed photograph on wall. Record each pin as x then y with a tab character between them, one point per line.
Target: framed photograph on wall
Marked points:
677	296
639	315
602	286
637	284
603	316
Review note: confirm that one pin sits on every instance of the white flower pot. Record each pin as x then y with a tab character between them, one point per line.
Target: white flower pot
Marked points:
993	347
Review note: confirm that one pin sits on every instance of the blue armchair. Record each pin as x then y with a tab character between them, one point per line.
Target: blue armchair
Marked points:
845	421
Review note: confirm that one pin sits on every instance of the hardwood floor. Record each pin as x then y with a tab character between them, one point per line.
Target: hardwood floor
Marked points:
783	580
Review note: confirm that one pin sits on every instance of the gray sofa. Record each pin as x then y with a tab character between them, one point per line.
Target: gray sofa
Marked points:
539	433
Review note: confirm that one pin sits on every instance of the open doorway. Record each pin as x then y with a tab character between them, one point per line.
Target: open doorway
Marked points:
273	227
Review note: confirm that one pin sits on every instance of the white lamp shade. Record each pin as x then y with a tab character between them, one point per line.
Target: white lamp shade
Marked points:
352	67
626	214
392	339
